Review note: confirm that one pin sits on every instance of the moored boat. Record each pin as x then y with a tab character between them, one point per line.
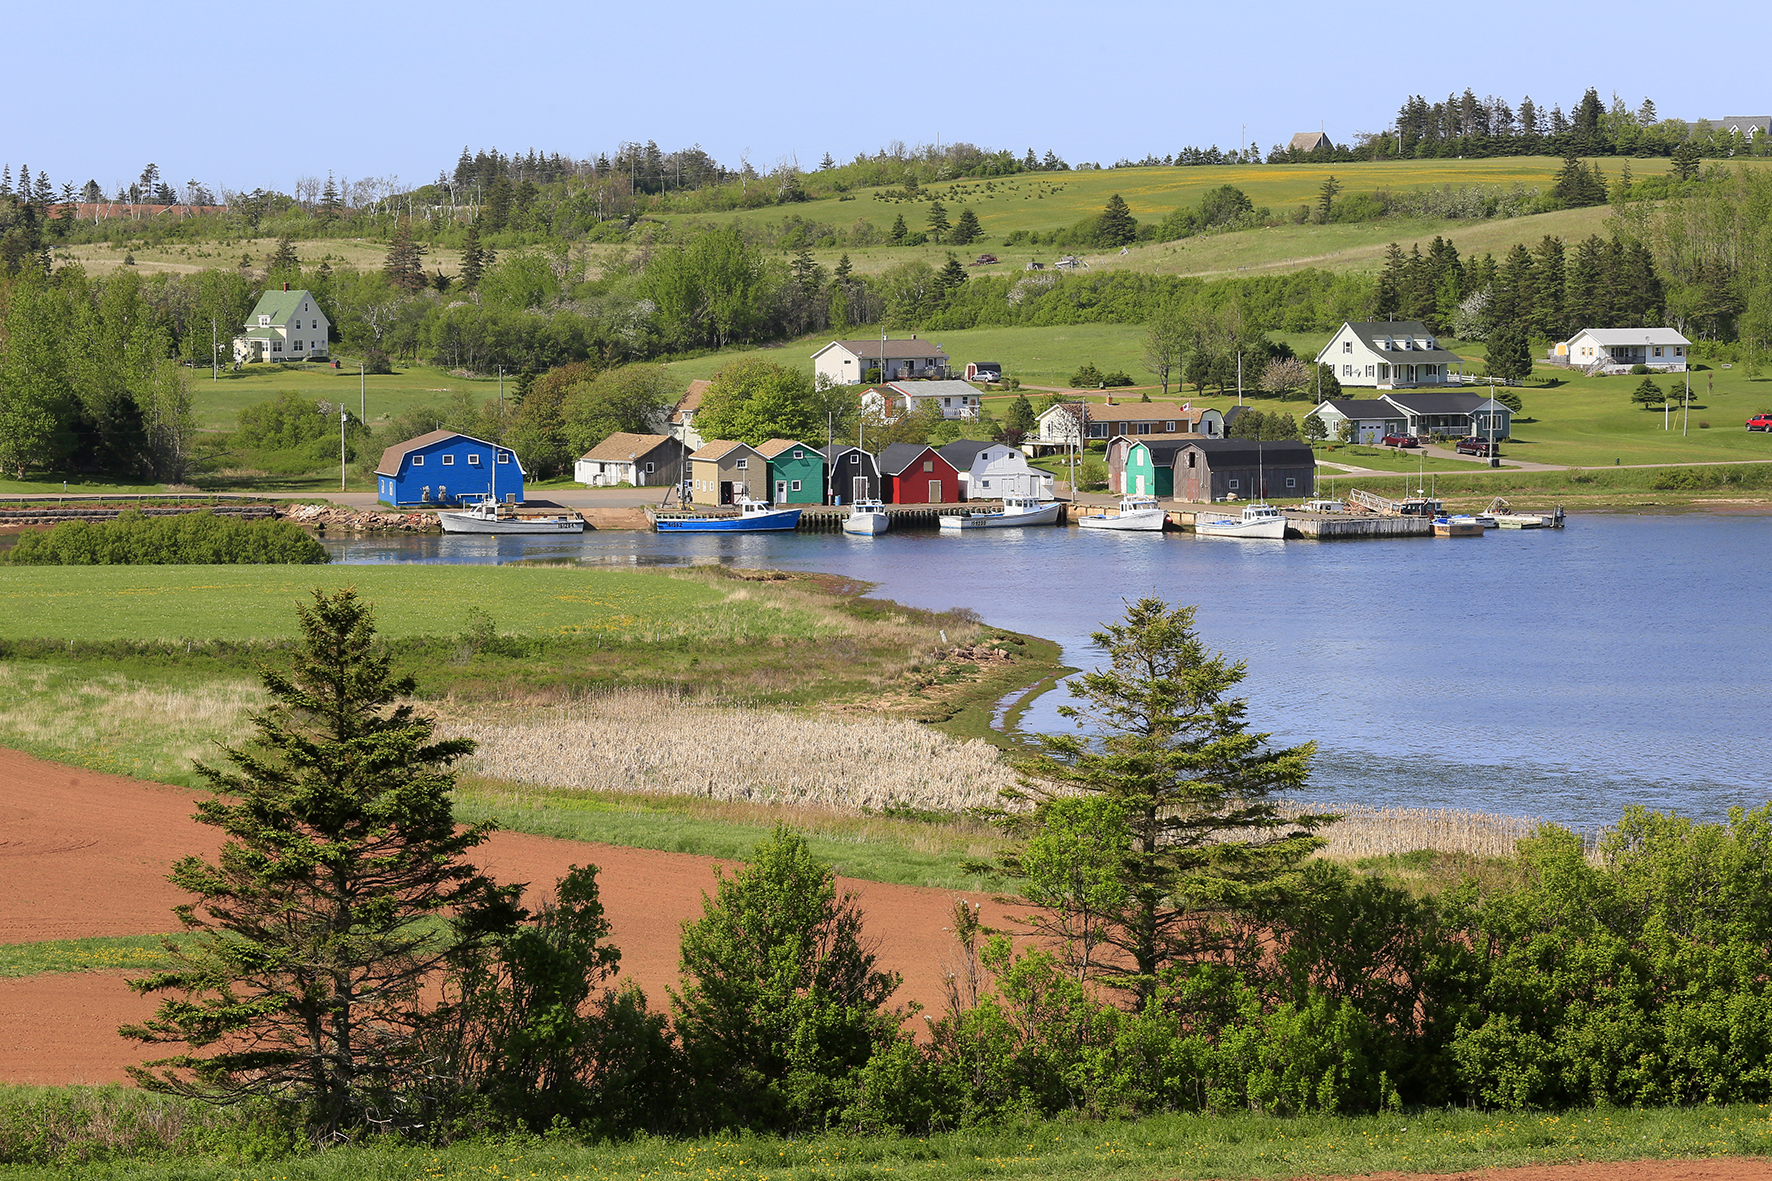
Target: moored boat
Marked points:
754	516
485	517
1016	512
1141	514
1457	527
867	518
1259	520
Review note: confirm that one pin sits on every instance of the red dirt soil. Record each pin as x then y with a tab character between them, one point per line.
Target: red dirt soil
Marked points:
84	854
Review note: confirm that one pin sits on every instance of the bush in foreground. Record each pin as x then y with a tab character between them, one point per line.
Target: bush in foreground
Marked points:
190	539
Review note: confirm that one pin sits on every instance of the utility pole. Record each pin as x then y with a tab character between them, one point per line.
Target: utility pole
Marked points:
501	390
1686	409
214	352
344	416
362	394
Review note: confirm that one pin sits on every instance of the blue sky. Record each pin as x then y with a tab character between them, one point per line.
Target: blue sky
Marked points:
245	95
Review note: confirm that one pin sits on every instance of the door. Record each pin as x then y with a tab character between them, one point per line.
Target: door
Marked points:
935	492
725	491
781	491
858	489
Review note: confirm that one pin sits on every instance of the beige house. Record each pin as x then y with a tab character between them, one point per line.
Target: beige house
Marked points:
723	471
285	326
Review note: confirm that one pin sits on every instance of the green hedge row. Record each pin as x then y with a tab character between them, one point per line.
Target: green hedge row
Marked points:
191	539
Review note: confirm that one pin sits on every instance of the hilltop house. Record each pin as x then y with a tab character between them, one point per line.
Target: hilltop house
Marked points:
285	326
721	471
447	467
846	362
1388	355
680	425
1058	426
1309	141
852	474
1409	413
956	399
796	471
1615	350
640	460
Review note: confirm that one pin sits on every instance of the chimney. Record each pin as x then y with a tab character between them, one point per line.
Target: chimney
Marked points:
286	287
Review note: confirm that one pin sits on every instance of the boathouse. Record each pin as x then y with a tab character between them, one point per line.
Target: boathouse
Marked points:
721	471
915	473
796	471
447	467
1206	470
851	474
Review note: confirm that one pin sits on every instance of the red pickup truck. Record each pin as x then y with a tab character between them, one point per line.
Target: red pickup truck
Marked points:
1760	422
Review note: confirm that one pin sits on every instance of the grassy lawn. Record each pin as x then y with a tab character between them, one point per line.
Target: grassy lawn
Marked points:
218	403
104	953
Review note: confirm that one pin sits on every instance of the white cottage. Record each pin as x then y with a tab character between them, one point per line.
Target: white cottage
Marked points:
1615	350
846	362
1388	355
990	471
956	399
285	326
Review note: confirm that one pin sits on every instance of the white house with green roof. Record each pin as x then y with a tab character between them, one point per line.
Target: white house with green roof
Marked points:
285	326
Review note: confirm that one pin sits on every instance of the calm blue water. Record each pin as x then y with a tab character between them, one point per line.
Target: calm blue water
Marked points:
1625	659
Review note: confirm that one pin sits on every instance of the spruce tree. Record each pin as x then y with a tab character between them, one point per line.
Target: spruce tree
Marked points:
1117	226
473	259
313	938
898	231
405	266
938	222
285	260
951	275
966	230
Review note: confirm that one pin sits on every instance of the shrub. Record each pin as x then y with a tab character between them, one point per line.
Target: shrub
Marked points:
190	539
1087	378
1116	379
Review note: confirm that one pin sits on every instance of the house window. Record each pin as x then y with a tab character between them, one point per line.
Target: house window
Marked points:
928	465
1144	428
1369	371
1347	370
794	487
418	461
449	461
264	321
1658	350
1291	483
1233	485
473	461
743	464
799	454
504	457
1098	430
1169	428
984	483
1679	350
1347	346
1191	456
649	469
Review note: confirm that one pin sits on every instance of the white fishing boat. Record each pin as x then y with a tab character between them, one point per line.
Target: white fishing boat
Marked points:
867	518
1138	514
1258	520
486	517
1016	512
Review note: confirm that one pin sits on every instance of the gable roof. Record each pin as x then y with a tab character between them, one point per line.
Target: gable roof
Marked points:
899	456
1141	412
1163	451
391	457
1612	336
280	305
775	447
621	446
1360	407
836	450
895	349
1308	141
961	452
947	388
718	449
1418	403
1374	333
690	402
1251	452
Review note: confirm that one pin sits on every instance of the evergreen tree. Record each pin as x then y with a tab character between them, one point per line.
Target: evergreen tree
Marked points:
1648	395
404	266
1326	194
1205	834
938	222
1388	298
826	164
967	229
1550	318
1510	352
1576	186
951	275
284	261
898	232
1116	226
474	258
332	206
1686	160
1021	416
311	941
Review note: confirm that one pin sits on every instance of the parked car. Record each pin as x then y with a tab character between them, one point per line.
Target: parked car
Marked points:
1401	441
1760	422
984	260
1478	447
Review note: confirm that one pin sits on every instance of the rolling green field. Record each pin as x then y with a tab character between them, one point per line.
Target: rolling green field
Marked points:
218	403
99	603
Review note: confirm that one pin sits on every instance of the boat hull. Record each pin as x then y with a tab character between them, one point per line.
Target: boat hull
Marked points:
1042	516
779	522
462	523
1269	530
1466	528
1143	521
866	524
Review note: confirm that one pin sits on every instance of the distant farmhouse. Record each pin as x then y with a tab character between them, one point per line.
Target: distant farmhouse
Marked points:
285	326
846	362
1309	141
1615	350
1747	126
1388	355
681	423
956	399
1410	413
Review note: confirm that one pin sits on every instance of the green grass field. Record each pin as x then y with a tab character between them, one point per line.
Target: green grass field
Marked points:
256	602
100	954
218	403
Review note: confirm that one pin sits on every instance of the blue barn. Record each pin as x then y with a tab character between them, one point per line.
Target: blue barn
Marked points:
446	467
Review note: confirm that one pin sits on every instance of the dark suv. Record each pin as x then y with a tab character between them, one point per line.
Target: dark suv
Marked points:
1478	447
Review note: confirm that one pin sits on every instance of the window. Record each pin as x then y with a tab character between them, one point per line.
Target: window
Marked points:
1191	457
504	457
794	487
928	465
1347	346
1169	427
1679	350
1291	482
743	464
276	346
418	461
984	483
449	461
1233	484
649	469
799	454
1369	371
855	460
264	321
1144	428
1098	430
1658	350
1347	370
473	461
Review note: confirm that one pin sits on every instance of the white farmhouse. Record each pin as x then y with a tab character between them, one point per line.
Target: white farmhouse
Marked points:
1615	350
285	326
680	423
846	362
956	399
1388	355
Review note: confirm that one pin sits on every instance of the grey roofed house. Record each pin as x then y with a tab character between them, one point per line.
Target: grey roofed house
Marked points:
1308	141
1748	125
1407	412
961	452
854	473
847	361
898	456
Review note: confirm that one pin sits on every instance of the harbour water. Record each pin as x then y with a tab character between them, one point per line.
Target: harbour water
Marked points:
1625	659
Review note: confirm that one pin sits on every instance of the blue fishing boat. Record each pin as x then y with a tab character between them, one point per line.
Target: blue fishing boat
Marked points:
754	516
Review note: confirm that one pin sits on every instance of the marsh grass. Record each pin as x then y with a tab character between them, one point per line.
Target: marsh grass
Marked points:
100	953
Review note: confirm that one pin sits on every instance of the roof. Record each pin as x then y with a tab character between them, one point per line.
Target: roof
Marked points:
934	389
961	452
279	305
1612	336
719	449
391	458
1163	450
1251	452
1376	332
1437	403
835	449
1743	122
895	349
1141	412
690	401
1157	437
1360	407
622	446
775	447
899	456
1307	141
986	364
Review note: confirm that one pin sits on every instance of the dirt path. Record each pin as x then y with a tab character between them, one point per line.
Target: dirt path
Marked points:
86	854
